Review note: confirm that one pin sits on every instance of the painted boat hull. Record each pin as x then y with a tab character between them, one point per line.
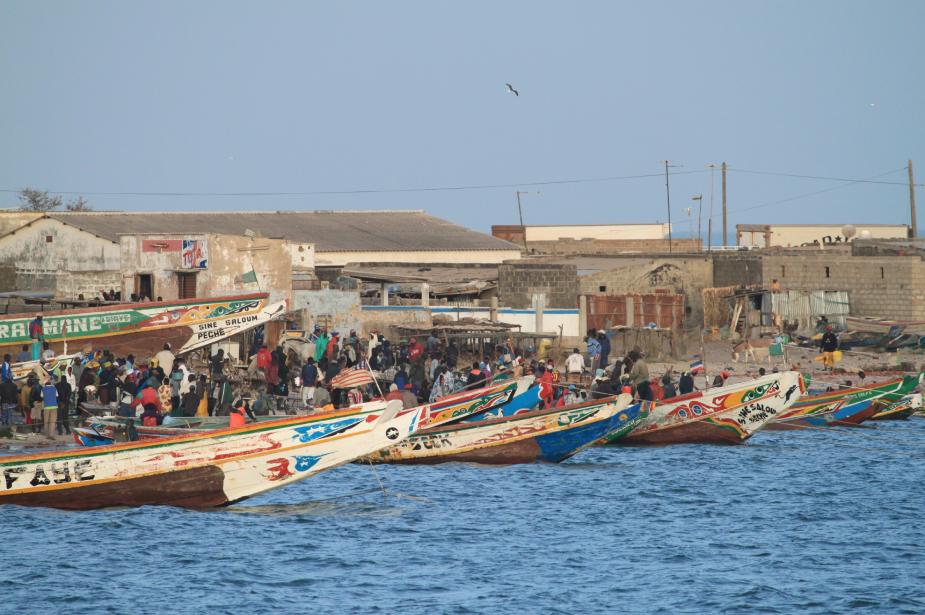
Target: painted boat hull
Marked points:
834	408
546	435
446	410
203	470
143	328
727	415
463	405
900	410
522	403
844	415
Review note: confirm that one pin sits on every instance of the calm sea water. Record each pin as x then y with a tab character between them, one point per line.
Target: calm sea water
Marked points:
802	522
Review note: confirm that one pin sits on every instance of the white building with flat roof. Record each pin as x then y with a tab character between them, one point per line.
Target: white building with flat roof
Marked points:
794	235
554	232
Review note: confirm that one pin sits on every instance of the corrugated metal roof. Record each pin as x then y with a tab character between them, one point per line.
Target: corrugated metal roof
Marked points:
330	231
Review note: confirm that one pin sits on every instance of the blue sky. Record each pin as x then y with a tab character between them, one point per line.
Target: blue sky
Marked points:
238	97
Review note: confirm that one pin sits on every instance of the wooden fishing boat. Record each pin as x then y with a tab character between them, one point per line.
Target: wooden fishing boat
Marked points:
107	429
900	410
543	435
884	326
851	406
144	328
42	369
523	401
204	469
468	403
840	414
726	415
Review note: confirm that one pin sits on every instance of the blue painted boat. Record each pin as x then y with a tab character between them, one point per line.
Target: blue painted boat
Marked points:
543	435
524	402
841	414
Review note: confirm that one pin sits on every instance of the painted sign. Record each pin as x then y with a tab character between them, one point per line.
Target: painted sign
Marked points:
194	254
137	317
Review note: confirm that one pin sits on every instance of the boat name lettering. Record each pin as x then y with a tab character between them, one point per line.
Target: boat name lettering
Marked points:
216	329
754	413
431	442
56	473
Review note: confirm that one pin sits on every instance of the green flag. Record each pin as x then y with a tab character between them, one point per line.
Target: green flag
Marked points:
249	278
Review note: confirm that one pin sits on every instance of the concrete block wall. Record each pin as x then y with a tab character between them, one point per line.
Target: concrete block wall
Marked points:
887	287
737	270
339	309
518	282
385	318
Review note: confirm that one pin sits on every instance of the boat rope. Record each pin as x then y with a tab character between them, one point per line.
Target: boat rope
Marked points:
385	494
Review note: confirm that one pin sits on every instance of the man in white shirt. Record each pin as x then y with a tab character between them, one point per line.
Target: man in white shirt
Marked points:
574	365
165	359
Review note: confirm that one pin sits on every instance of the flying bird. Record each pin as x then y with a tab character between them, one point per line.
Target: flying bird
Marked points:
510	88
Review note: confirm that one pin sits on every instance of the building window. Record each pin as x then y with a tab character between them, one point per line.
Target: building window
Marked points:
827	272
881	273
783	271
602	289
48	239
186	283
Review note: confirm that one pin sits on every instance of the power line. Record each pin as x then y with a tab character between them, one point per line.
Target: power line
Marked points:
847	183
834	179
362	191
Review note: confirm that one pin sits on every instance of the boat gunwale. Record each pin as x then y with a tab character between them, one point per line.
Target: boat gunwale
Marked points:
133	306
524	415
257	427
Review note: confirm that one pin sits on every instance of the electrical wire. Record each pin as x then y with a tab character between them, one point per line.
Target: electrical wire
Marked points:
848	183
585	180
834	179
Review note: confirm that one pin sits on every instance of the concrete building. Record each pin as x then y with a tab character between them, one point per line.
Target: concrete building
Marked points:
46	254
210	264
69	253
594	239
793	235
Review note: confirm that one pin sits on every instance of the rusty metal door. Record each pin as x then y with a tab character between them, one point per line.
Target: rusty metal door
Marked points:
664	309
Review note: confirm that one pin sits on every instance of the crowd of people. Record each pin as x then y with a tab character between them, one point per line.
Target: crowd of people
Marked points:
415	370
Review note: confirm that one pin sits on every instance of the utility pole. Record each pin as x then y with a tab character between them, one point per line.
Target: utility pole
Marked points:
520	212
667	163
724	204
699	199
915	230
712	168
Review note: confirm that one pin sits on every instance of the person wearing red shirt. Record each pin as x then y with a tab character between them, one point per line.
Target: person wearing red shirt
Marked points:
394	393
415	349
149	396
264	358
544	376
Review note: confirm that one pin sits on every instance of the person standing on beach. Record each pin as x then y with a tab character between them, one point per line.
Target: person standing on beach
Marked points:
50	407
23	355
574	366
37	333
165	359
827	346
9	398
6	371
639	376
594	350
309	379
605	349
64	406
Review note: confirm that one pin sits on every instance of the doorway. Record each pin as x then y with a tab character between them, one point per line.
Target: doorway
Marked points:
144	286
